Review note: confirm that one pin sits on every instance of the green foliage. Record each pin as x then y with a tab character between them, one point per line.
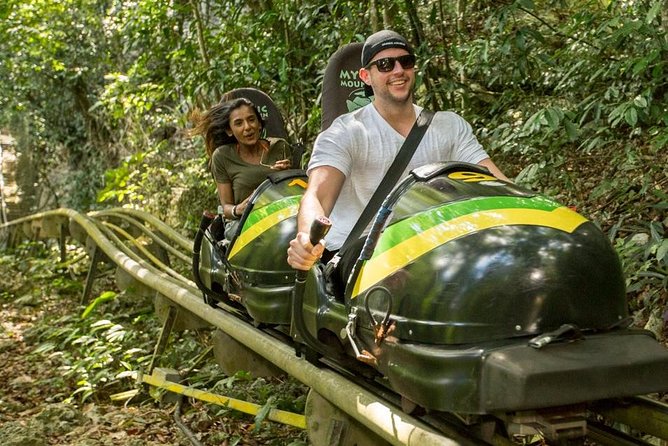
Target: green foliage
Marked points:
569	97
104	297
89	352
644	254
119	183
580	110
61	45
173	189
94	352
263	413
288	395
93	355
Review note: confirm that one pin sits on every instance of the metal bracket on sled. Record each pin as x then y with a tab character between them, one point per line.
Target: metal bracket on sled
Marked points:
351	327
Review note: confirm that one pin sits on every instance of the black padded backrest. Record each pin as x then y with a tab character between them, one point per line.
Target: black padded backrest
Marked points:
273	119
342	89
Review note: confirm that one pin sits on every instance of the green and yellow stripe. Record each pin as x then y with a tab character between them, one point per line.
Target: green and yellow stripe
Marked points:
260	220
413	237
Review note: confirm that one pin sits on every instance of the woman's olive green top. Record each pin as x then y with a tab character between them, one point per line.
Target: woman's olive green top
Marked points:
228	167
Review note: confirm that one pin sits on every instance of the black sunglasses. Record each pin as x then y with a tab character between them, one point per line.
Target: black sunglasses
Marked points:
386	64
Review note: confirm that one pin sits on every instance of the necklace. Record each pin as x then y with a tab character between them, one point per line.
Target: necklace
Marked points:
251	156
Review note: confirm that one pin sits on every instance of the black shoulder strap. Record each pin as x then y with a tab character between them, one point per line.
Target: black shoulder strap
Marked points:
392	175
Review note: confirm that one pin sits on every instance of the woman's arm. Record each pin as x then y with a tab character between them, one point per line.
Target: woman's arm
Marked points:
226	197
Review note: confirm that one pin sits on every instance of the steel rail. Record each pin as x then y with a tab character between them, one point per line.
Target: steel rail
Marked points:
640	413
145	251
607	436
127	253
151	234
161	226
119	252
60	212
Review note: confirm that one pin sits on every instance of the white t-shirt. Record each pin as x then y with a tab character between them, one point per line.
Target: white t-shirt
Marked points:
362	145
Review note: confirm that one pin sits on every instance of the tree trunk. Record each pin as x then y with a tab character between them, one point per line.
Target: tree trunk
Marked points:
461	30
373	15
200	33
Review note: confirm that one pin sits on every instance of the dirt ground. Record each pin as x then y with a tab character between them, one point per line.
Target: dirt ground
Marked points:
37	406
31	411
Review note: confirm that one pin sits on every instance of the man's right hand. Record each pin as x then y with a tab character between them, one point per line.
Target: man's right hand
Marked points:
302	254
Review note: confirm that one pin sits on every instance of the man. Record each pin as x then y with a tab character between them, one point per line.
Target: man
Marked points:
350	158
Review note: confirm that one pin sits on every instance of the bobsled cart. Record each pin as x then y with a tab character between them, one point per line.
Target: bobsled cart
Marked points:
472	296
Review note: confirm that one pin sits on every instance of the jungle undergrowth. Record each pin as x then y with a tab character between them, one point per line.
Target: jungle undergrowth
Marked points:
62	368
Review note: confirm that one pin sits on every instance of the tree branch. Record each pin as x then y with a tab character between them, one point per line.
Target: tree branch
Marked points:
556	31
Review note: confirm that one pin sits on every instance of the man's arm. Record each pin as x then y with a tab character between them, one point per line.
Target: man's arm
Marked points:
488	163
324	186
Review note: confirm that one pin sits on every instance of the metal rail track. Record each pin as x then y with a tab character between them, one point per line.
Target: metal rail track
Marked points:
113	235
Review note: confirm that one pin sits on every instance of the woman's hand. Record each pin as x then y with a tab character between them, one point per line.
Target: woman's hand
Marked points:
241	207
282	164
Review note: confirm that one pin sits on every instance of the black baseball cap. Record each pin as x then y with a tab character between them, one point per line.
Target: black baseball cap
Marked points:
380	41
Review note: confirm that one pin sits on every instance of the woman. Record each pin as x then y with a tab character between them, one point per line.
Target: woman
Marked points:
239	158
